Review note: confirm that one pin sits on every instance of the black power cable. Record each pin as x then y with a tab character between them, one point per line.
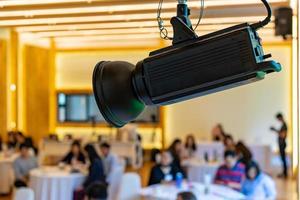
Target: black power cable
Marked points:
263	23
164	31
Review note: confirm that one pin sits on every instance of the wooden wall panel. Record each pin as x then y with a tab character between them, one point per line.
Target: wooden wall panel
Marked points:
37	84
3	88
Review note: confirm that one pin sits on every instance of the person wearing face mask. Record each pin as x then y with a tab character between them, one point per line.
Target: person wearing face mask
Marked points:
232	172
165	171
258	185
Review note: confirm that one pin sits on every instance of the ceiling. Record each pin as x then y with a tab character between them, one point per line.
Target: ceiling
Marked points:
75	24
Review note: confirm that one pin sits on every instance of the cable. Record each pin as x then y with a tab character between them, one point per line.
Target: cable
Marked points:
201	14
263	23
162	29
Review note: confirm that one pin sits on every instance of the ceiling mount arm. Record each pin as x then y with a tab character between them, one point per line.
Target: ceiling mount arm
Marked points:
182	26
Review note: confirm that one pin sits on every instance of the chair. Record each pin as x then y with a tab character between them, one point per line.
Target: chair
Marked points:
130	187
24	194
115	183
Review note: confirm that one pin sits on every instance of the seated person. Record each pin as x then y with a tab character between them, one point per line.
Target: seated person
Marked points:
218	133
29	142
1	144
165	171
11	140
75	156
177	151
23	164
258	185
231	173
109	160
96	170
243	153
20	138
229	143
96	191
186	196
68	137
190	146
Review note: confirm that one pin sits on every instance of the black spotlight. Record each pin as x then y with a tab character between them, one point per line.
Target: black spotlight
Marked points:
193	66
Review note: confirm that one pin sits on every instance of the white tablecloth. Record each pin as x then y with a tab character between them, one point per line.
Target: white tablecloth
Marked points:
6	173
51	183
197	170
170	191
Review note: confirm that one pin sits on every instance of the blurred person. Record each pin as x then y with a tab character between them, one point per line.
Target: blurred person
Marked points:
1	144
218	133
75	156
20	138
33	150
231	173
282	135
229	142
186	196
110	160
96	170
258	185
243	153
190	145
96	191
22	166
176	150
11	140
165	171
68	138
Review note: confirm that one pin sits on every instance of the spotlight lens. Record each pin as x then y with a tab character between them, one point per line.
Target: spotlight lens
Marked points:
114	92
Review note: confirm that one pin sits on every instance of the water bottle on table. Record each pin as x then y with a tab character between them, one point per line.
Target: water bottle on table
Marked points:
179	179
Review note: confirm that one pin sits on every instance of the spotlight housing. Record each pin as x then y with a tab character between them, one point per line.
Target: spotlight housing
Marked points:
192	67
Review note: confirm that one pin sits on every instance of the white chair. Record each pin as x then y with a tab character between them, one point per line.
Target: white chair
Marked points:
115	183
130	187
24	194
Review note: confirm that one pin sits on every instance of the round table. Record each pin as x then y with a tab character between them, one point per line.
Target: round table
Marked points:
52	183
170	191
6	172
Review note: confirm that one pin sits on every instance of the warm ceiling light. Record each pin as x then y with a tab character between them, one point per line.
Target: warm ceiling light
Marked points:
204	29
116	25
150	43
19	22
7	3
117	8
95	32
107	37
87	26
129	17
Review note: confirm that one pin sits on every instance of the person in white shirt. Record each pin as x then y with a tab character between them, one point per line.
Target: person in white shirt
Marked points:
109	160
258	185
